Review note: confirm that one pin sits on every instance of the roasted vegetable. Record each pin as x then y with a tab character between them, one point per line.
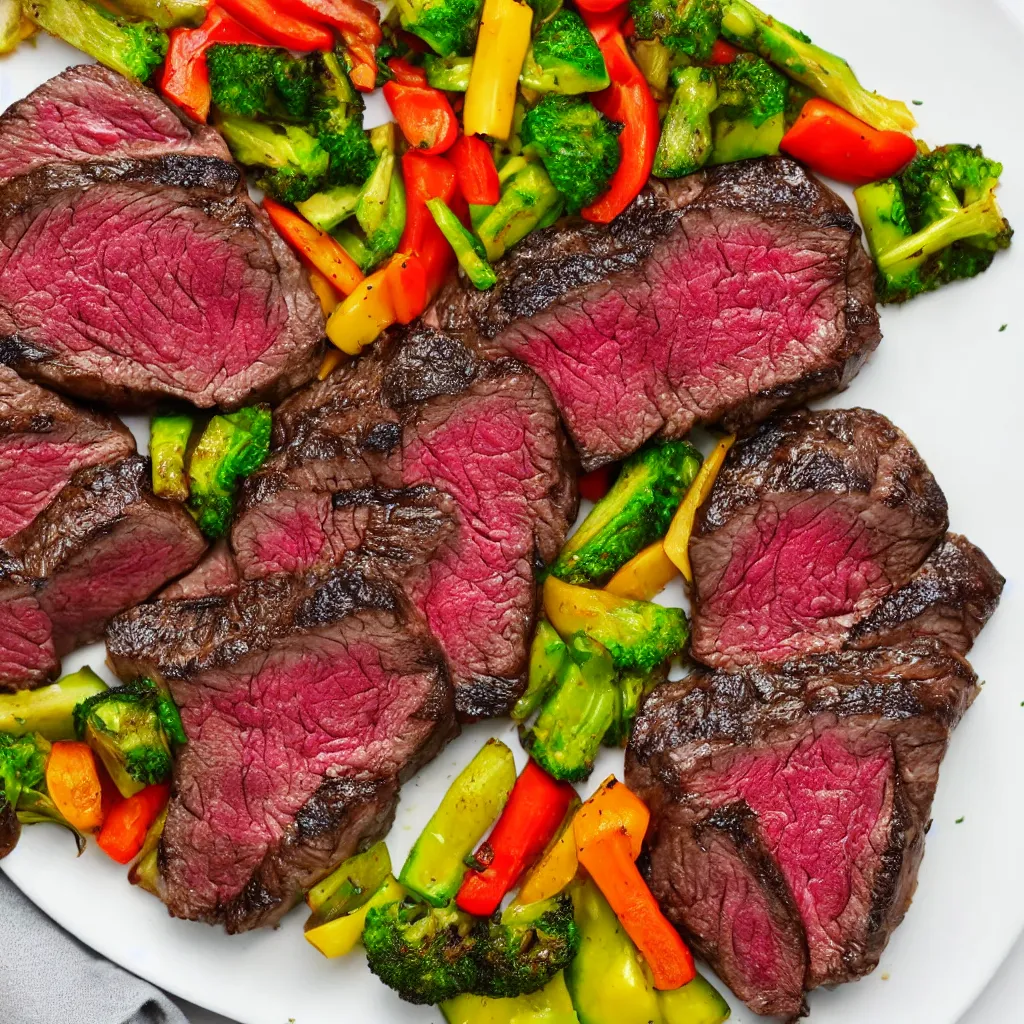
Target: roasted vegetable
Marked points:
564	57
128	822
630	690
14	27
449	27
145	872
636	511
448	73
688	27
937	222
261	81
550	1005
338	123
528	199
348	886
645	575
168	439
578	145
231	447
638	635
165	13
469	250
49	710
340	935
132	728
686	134
132	48
326	210
547	653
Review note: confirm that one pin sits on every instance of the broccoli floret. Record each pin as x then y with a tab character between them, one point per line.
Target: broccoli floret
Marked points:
635	512
564	57
424	953
525	947
265	81
448	27
528	200
132	48
631	688
687	27
448	73
547	654
828	75
937	222
578	145
750	87
131	728
231	447
338	124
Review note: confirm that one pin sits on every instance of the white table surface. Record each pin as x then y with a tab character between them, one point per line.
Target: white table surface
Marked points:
1001	1001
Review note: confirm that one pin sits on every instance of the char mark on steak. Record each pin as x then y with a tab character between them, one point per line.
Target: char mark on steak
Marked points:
814	519
306	703
427	459
820	775
134	281
89	113
718	298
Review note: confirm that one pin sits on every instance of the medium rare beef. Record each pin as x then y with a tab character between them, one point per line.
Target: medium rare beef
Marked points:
90	113
139	280
789	809
814	519
305	703
717	298
425	414
216	575
102	545
27	655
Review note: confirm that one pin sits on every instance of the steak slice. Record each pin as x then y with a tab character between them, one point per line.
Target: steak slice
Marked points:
216	575
717	298
89	113
819	775
477	442
102	545
142	280
813	520
27	655
305	704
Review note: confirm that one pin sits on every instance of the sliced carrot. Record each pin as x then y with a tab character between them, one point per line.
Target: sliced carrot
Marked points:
73	782
127	824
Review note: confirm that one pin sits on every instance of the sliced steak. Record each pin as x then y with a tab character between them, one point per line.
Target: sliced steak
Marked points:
477	442
216	575
717	298
102	545
27	655
814	519
90	113
141	280
806	790
305	704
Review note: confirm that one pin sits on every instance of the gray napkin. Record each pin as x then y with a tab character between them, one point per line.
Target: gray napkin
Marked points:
48	977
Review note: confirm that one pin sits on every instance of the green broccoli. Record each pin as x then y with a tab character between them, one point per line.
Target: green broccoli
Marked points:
688	27
564	57
547	654
132	48
528	201
132	729
49	710
631	688
338	124
448	27
937	222
635	512
686	134
448	73
23	796
168	440
578	145
267	81
828	75
469	250
751	88
231	447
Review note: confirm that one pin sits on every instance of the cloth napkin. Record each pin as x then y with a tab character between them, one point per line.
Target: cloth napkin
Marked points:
48	977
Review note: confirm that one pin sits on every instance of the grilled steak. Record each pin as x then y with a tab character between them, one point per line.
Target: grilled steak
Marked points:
814	519
102	545
305	704
137	280
216	575
789	809
470	457
90	113
713	299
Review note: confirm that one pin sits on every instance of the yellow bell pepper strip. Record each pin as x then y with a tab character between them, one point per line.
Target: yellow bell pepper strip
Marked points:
331	361
324	291
500	51
549	1005
645	575
340	936
697	1002
557	865
609	831
317	249
677	540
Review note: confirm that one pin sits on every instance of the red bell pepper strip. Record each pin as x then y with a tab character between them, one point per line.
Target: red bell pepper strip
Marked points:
124	830
535	809
835	143
723	52
407	73
428	177
628	99
474	166
598	6
185	80
607	23
262	16
594	485
407	283
422	112
358	24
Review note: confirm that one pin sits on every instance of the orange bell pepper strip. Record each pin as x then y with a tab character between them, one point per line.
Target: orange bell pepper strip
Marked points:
358	24
423	113
331	361
128	822
73	782
609	830
264	18
833	142
628	99
428	177
645	575
407	283
316	248
185	80
476	172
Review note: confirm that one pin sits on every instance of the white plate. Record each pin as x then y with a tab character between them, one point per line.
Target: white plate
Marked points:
945	374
